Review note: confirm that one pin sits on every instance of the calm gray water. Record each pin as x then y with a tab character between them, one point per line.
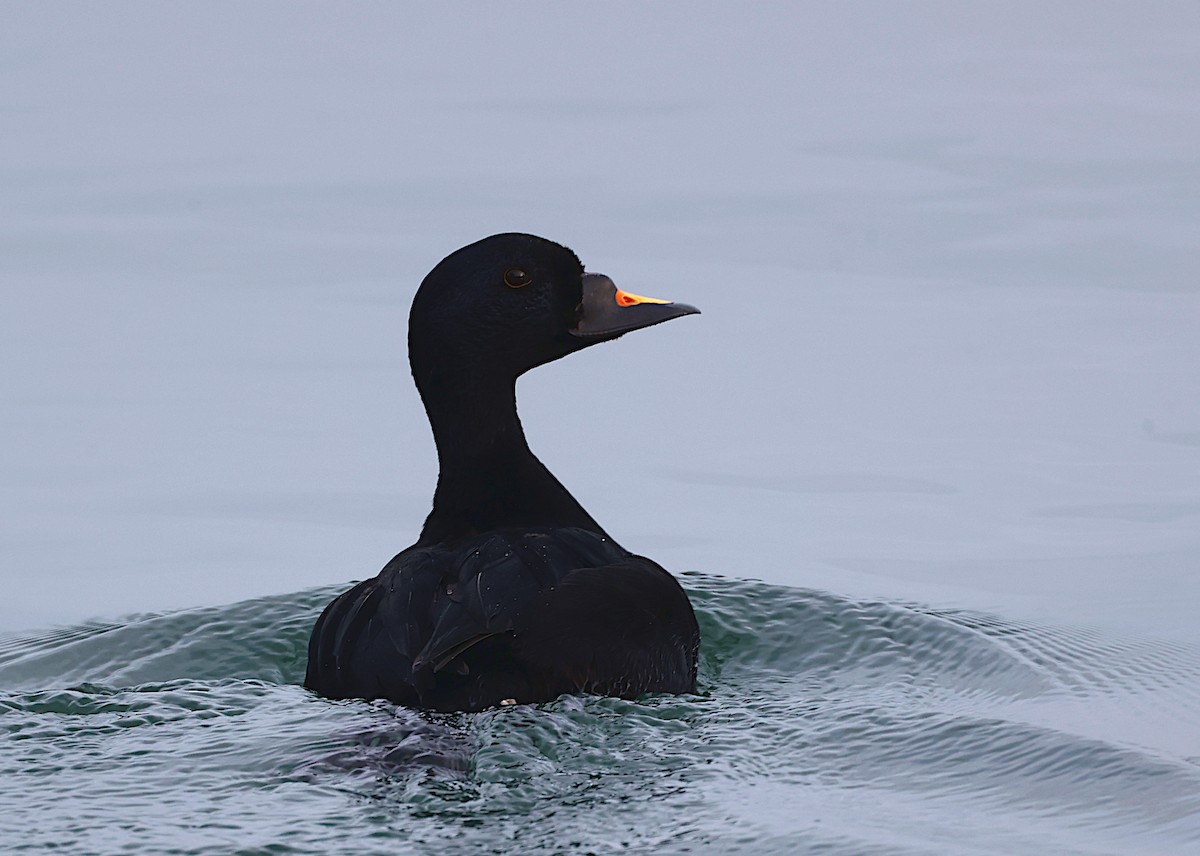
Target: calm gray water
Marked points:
929	462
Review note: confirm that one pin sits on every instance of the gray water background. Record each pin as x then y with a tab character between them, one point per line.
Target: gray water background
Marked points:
949	365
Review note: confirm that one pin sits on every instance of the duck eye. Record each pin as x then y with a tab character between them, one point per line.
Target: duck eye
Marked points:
516	278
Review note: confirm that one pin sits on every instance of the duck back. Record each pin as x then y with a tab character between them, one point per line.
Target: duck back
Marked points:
521	614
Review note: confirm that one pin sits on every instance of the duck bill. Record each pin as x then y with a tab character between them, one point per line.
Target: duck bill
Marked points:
607	312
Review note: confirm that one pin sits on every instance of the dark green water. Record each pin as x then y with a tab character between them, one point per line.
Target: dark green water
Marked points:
824	726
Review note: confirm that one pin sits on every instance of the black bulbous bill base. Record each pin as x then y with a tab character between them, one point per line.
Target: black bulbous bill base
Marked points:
607	311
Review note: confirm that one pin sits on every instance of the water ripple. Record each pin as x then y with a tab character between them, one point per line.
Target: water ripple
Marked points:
822	725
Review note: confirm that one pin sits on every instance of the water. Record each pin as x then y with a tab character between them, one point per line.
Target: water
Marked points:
943	403
822	724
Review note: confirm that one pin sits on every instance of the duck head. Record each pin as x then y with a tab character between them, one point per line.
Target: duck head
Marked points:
501	306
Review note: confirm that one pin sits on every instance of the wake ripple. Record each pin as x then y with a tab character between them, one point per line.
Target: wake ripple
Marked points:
822	724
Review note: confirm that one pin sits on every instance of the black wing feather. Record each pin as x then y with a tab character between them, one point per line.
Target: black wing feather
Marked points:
511	614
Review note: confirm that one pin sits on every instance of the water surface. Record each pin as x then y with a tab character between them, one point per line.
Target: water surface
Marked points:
929	460
822	724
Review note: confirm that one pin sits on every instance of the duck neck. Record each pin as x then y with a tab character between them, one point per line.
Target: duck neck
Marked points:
487	476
